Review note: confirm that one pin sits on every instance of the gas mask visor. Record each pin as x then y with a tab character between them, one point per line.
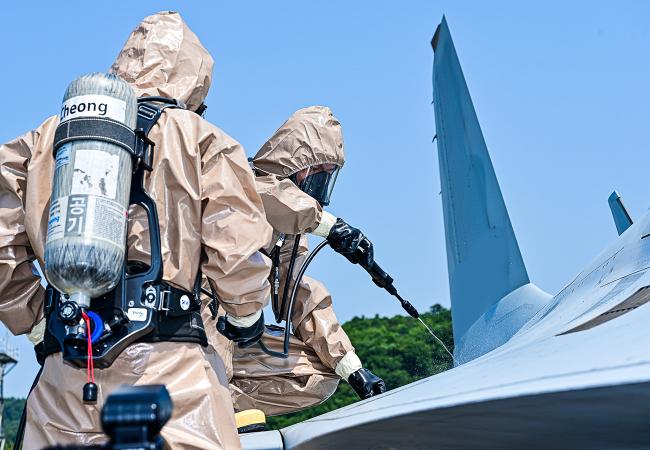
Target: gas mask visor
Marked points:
317	181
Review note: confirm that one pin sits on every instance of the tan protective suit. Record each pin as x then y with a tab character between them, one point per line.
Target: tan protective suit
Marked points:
311	136
211	218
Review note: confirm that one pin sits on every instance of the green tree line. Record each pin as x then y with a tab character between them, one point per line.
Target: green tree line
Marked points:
13	411
398	349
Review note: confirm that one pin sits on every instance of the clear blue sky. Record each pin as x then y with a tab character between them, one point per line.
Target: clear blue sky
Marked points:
561	91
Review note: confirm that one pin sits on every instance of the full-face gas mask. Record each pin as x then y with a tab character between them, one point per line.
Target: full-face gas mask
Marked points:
317	181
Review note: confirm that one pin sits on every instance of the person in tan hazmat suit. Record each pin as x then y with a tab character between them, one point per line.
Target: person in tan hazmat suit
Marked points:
211	219
295	173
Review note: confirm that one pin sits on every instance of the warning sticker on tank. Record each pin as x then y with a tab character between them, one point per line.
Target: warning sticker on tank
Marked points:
55	224
62	156
87	216
93	105
95	173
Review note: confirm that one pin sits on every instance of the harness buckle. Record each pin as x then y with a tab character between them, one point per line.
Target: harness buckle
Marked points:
147	111
165	295
143	151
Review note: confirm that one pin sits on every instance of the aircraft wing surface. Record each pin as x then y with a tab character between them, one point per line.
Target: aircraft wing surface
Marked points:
588	389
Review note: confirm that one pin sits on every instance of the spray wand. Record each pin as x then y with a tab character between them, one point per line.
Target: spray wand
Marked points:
379	277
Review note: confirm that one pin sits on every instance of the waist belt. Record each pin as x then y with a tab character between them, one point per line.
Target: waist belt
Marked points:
178	320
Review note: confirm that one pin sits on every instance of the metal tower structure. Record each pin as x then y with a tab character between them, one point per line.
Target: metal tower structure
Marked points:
8	360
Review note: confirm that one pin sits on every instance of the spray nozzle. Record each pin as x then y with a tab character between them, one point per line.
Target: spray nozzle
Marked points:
408	307
385	281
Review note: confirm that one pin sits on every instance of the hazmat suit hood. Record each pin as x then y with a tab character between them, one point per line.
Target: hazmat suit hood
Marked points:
311	136
163	57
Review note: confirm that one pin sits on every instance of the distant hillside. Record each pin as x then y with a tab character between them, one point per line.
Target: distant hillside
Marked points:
398	349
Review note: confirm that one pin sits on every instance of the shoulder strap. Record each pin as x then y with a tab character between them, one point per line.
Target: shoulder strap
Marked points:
150	109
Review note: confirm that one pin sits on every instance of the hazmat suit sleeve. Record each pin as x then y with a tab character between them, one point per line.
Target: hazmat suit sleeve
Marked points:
313	319
288	209
234	227
21	293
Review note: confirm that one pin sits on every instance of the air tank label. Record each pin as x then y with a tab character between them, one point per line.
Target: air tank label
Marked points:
95	173
87	216
93	106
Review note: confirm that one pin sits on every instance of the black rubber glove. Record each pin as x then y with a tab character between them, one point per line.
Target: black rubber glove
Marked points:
351	243
366	384
244	336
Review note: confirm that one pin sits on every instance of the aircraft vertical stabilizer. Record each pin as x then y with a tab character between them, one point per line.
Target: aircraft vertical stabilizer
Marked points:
483	257
622	218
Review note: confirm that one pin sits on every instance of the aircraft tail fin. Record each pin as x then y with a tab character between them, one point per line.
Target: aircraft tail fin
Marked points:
483	256
622	218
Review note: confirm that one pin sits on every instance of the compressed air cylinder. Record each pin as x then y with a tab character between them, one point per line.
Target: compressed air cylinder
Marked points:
86	234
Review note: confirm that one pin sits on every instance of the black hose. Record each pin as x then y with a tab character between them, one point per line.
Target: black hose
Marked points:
287	329
294	291
268	351
20	432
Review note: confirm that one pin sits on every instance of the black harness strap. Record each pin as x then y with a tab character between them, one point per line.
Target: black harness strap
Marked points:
149	112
